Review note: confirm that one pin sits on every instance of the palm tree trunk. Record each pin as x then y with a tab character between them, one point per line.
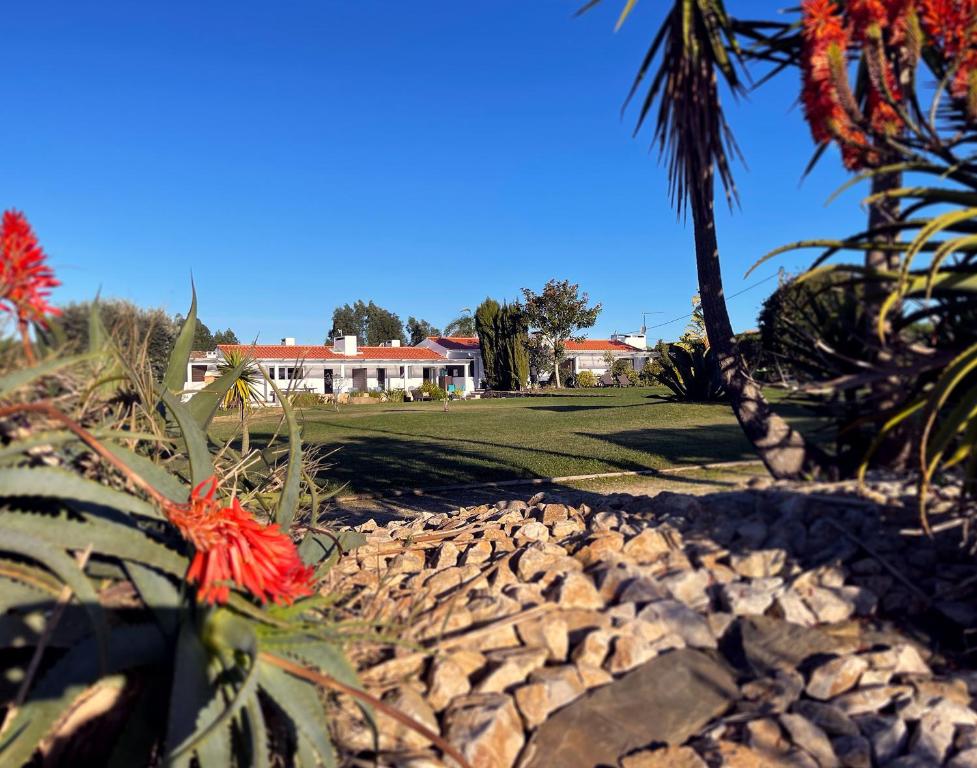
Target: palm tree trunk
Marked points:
245	435
781	448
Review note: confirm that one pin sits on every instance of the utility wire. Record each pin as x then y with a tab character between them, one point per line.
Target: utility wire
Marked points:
731	296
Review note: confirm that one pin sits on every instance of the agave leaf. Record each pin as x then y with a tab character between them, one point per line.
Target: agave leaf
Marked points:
176	368
289	500
54	483
300	703
23	376
201	464
69	677
933	227
97	337
203	405
107	538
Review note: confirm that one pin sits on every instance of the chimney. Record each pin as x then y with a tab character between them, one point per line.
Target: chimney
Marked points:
288	341
392	343
344	345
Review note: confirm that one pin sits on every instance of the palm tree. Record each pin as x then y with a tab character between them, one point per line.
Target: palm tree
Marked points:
243	391
692	50
463	325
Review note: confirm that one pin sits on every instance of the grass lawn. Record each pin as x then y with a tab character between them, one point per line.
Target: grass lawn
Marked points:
401	446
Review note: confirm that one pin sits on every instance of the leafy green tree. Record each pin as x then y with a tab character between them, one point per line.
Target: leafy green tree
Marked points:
512	358
486	324
463	325
203	339
371	324
243	392
540	357
418	330
694	50
557	313
226	337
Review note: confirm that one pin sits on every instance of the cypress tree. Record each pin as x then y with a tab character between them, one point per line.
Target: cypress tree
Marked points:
486	325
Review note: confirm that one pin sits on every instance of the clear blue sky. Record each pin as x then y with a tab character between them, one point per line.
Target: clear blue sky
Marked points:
298	155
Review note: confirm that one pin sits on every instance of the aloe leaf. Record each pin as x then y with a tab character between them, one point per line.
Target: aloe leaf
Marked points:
163	481
300	703
176	368
201	464
69	677
33	576
257	732
203	404
54	483
23	376
191	690
138	738
17	594
65	568
106	537
289	500
159	593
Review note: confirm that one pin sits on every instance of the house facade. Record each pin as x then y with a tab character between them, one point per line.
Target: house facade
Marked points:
458	348
341	368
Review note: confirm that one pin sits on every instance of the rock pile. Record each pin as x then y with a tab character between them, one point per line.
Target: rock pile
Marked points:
755	628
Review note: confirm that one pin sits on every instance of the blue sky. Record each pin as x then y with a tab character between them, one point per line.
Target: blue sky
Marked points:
298	155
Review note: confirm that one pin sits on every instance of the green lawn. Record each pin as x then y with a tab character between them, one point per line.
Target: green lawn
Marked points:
417	445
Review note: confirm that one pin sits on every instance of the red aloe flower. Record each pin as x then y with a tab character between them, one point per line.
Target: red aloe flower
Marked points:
234	548
25	279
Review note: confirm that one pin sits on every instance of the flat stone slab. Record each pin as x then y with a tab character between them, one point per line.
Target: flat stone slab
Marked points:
665	700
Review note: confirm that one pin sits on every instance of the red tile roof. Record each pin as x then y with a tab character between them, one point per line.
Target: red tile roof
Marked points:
456	342
599	345
322	352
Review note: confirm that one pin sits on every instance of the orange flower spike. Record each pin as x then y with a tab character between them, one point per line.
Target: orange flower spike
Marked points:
232	548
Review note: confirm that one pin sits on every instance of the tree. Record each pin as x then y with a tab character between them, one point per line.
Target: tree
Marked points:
557	313
371	324
512	357
226	337
243	391
463	325
540	357
486	320
418	330
695	48
695	331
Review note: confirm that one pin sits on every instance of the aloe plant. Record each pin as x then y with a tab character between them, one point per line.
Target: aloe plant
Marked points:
97	595
691	371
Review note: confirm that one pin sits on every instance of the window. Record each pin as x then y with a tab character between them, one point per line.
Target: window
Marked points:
293	373
198	372
271	371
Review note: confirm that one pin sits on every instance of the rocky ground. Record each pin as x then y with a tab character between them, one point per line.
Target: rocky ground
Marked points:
768	626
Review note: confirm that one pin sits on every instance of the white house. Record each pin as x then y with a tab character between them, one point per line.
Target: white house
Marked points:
458	348
343	367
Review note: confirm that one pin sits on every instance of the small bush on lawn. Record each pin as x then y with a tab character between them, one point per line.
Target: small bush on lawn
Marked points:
307	400
433	391
396	395
586	379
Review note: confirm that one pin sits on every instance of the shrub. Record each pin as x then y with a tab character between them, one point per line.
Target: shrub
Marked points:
586	379
307	400
433	391
396	395
690	371
623	367
650	372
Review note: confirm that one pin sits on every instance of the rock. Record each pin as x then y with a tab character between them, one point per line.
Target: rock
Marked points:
886	734
668	757
510	667
827	717
774	694
650	545
408	561
532	531
811	739
549	632
689	586
470	661
412	704
574	590
964	759
758	564
547	690
719	622
540	557
486	728
765	735
628	652
593	649
835	677
676	694
564	528
676	617
644	589
865	700
447	556
853	751
553	513
791	607
768	644
828	605
593	677
932	738
730	754
446	681
600	547
744	598
478	552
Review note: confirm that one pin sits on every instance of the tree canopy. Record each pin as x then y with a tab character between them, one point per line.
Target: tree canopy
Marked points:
557	313
418	330
371	324
463	325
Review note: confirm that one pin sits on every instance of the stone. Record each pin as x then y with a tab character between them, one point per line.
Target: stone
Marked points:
649	545
549	632
628	652
447	556
676	617
791	607
486	728
593	677
644	589
469	661
408	561
853	751
827	717
759	563
548	690
828	605
532	531
539	557
765	735
835	677
574	590
769	644
594	647
553	513
510	667
719	622
676	694
932	738
446	681
599	547
871	699
776	693
668	757
689	586
811	739
486	606
412	704
491	640
744	598
730	754
965	759
564	528
478	552
886	734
